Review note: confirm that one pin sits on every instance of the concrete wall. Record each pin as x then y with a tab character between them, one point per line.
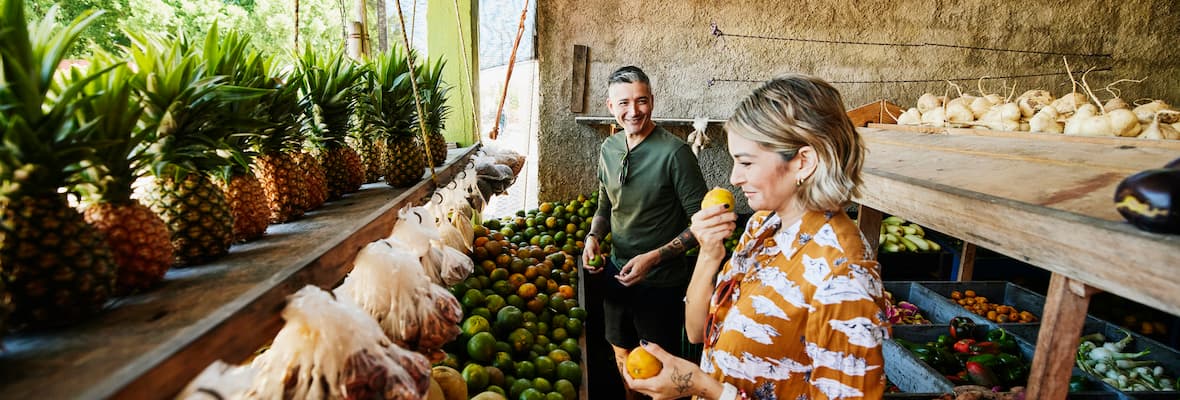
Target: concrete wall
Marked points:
672	41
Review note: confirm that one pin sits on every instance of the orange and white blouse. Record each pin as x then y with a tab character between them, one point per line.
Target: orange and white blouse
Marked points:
797	313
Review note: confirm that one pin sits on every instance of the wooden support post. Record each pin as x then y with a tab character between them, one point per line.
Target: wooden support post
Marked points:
966	263
869	220
1057	344
578	85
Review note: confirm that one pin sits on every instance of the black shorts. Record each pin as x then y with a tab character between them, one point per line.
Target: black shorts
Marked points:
654	314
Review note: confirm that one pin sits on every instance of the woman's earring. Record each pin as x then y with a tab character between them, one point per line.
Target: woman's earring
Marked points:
799	182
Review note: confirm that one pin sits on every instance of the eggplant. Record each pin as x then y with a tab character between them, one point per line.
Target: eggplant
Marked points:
1173	165
1150	200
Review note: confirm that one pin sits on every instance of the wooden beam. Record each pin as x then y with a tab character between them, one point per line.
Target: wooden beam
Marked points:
966	266
869	221
578	78
149	345
1057	342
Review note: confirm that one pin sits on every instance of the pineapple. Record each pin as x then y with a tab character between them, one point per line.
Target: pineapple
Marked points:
56	268
433	93
388	110
279	146
329	85
364	139
138	238
233	57
188	105
316	180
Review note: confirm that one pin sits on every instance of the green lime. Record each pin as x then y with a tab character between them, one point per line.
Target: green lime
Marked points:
559	321
530	394
475	324
574	327
503	288
518	387
570	371
526	370
559	356
508	319
545	366
495	302
554	396
503	361
566	388
577	312
571	346
472	283
521	340
481	347
472	298
476	378
541	340
542	385
559	335
502	346
483	312
514	299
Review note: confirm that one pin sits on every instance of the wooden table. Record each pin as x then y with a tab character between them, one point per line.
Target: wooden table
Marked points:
1043	199
151	345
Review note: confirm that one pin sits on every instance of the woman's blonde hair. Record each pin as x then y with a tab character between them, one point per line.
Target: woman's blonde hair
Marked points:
798	110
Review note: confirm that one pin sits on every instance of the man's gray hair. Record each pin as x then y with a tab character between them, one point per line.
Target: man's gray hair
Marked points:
628	74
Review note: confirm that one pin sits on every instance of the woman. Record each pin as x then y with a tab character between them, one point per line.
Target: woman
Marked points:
796	313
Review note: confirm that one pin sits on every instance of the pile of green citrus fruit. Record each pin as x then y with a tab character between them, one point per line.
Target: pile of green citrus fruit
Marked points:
522	320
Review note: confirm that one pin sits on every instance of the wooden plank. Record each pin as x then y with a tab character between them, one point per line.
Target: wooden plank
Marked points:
657	121
150	345
879	112
869	221
1074	177
1065	312
1104	140
581	65
966	268
1113	256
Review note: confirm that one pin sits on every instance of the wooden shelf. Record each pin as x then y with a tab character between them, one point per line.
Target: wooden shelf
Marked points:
1044	201
149	346
658	121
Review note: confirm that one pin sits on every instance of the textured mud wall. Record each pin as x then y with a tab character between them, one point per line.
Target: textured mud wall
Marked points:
673	42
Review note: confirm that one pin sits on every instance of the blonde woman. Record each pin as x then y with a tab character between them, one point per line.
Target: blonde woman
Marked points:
796	313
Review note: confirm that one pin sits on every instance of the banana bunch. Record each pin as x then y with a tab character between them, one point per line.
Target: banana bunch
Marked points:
897	236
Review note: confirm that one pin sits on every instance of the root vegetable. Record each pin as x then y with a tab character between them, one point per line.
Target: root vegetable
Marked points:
1116	102
1146	112
1002	117
910	117
929	101
1158	129
1089	121
1046	120
934	117
1032	101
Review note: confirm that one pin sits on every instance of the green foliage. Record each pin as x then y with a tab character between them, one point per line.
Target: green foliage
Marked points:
433	93
270	22
330	85
44	144
387	108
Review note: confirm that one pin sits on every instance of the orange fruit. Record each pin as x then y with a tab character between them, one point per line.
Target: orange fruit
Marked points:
480	241
517	280
566	291
642	365
718	196
527	291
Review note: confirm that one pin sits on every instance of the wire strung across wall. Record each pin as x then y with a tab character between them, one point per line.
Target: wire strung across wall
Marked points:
714	81
717	33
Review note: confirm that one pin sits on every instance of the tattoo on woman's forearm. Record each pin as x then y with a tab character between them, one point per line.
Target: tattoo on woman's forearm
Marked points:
683	381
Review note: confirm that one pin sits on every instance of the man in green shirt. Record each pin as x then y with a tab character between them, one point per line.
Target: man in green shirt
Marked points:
649	187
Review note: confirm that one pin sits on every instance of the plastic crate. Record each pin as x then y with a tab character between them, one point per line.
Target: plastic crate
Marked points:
1165	356
935	308
928	333
997	292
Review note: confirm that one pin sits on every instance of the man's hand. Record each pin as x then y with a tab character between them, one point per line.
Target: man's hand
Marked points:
637	268
588	254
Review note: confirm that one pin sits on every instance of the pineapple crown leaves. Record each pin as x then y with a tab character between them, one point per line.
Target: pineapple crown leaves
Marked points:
329	88
186	105
45	146
388	108
231	55
434	93
282	112
115	106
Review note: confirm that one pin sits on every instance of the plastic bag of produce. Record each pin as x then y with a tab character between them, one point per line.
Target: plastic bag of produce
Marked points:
390	285
220	381
331	349
447	266
507	157
414	230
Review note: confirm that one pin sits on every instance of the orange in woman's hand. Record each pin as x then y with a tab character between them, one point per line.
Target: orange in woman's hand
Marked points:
642	365
718	196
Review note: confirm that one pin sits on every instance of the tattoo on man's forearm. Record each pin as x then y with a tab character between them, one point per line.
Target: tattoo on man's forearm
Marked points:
678	246
683	381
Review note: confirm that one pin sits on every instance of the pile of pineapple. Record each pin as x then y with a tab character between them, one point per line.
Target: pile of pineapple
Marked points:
167	153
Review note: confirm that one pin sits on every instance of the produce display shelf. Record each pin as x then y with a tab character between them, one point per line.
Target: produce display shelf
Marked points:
149	345
1112	140
1044	202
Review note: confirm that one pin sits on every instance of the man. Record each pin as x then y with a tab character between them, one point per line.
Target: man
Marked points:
649	187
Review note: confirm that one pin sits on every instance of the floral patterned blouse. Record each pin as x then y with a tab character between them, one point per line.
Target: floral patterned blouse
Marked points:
797	312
